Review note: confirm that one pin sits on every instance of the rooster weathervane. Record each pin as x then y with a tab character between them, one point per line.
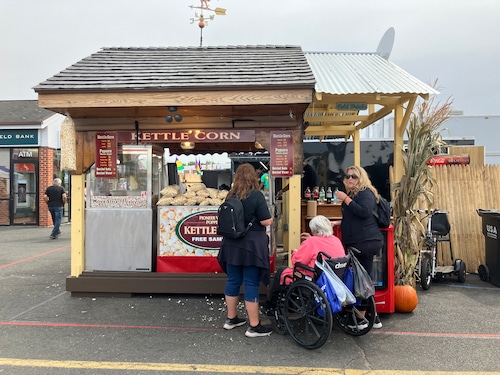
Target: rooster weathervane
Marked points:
201	19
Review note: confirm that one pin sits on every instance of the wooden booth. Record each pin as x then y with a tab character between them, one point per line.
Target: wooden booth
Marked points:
135	102
125	106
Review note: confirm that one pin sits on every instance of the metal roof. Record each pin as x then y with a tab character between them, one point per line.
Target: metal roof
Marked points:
185	68
343	73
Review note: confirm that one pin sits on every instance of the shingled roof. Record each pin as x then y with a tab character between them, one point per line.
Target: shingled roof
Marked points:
22	112
185	68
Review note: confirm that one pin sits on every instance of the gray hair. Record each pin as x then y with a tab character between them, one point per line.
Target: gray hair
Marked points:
321	225
57	181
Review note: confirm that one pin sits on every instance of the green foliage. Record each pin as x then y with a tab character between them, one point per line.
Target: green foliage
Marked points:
424	141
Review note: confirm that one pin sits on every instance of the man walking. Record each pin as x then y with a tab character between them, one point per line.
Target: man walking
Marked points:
55	196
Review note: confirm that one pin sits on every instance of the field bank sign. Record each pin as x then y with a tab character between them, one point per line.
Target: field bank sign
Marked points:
18	137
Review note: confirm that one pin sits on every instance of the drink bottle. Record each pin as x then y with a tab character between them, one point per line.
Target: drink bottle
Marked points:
307	194
329	195
335	199
322	195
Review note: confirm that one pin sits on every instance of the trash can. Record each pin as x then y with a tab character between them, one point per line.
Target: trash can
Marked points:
491	231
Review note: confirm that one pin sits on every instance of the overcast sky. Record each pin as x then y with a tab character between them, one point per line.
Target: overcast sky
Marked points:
453	41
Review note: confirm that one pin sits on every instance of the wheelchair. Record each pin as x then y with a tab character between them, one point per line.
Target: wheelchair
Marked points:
302	309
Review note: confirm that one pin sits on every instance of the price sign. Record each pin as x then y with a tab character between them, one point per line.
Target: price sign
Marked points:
281	153
105	155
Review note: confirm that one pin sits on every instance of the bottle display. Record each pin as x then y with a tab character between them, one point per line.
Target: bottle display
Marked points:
329	195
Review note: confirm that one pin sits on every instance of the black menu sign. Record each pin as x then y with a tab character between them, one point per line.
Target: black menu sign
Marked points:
105	155
281	153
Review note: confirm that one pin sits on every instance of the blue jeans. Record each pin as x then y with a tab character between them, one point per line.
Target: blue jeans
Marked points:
56	213
249	276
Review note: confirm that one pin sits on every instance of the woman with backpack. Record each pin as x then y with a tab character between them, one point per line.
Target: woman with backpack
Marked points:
245	260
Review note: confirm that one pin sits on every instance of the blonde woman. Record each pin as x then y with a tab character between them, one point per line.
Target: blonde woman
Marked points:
359	226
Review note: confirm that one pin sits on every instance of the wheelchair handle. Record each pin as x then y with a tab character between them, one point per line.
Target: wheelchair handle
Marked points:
304	267
322	255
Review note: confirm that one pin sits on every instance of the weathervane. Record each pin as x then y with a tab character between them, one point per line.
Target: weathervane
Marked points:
201	19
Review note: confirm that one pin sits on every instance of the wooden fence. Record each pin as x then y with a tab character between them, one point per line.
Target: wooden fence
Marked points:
461	190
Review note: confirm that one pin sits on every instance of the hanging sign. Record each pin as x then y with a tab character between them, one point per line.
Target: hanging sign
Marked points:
105	155
281	153
349	106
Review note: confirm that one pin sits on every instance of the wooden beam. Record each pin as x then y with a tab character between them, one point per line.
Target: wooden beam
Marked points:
329	130
177	98
329	119
356	140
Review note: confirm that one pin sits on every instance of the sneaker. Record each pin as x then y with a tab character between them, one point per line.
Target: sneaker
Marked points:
359	326
52	237
259	331
377	324
233	323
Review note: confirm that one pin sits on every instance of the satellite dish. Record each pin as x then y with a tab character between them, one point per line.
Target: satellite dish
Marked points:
385	46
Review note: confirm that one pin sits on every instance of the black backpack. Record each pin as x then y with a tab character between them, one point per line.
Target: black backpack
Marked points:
383	213
231	219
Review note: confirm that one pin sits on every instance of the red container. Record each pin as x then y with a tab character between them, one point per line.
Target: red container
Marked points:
384	296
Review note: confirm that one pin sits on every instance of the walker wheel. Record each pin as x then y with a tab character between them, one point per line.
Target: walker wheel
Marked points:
461	272
484	272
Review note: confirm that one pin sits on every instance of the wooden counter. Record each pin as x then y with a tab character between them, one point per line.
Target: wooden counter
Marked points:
331	211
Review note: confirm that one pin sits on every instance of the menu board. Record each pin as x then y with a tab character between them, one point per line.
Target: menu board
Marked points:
281	153
105	155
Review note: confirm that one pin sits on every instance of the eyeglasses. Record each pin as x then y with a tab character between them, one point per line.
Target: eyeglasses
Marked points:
353	176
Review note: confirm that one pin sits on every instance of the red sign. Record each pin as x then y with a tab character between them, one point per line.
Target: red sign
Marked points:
281	153
105	155
24	167
449	159
200	230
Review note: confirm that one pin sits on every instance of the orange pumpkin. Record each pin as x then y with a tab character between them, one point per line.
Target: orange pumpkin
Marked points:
405	298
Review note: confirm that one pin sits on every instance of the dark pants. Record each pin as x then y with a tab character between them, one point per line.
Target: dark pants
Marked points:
368	250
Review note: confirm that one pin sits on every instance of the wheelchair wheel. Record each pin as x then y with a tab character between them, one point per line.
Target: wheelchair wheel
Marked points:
425	273
307	314
279	324
349	318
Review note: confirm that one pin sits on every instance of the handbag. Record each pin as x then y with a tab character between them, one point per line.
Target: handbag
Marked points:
363	285
343	293
330	293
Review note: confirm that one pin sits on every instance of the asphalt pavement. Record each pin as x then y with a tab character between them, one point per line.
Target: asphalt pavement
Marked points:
44	330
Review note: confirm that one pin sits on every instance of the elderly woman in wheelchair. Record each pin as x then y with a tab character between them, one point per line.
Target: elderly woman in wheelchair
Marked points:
298	306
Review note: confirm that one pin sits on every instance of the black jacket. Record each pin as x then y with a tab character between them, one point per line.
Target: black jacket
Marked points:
358	222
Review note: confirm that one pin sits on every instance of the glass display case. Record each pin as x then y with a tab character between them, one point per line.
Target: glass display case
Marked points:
119	214
132	186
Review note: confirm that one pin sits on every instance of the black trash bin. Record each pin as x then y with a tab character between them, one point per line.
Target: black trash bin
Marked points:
491	230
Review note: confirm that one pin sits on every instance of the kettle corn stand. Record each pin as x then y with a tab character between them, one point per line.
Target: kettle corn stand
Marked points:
159	100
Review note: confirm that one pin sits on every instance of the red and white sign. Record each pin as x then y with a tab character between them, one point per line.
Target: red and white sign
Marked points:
105	155
281	153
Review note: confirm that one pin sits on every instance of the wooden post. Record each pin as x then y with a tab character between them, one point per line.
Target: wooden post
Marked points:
77	225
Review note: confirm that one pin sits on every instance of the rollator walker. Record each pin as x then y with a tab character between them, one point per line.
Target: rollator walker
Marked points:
438	232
